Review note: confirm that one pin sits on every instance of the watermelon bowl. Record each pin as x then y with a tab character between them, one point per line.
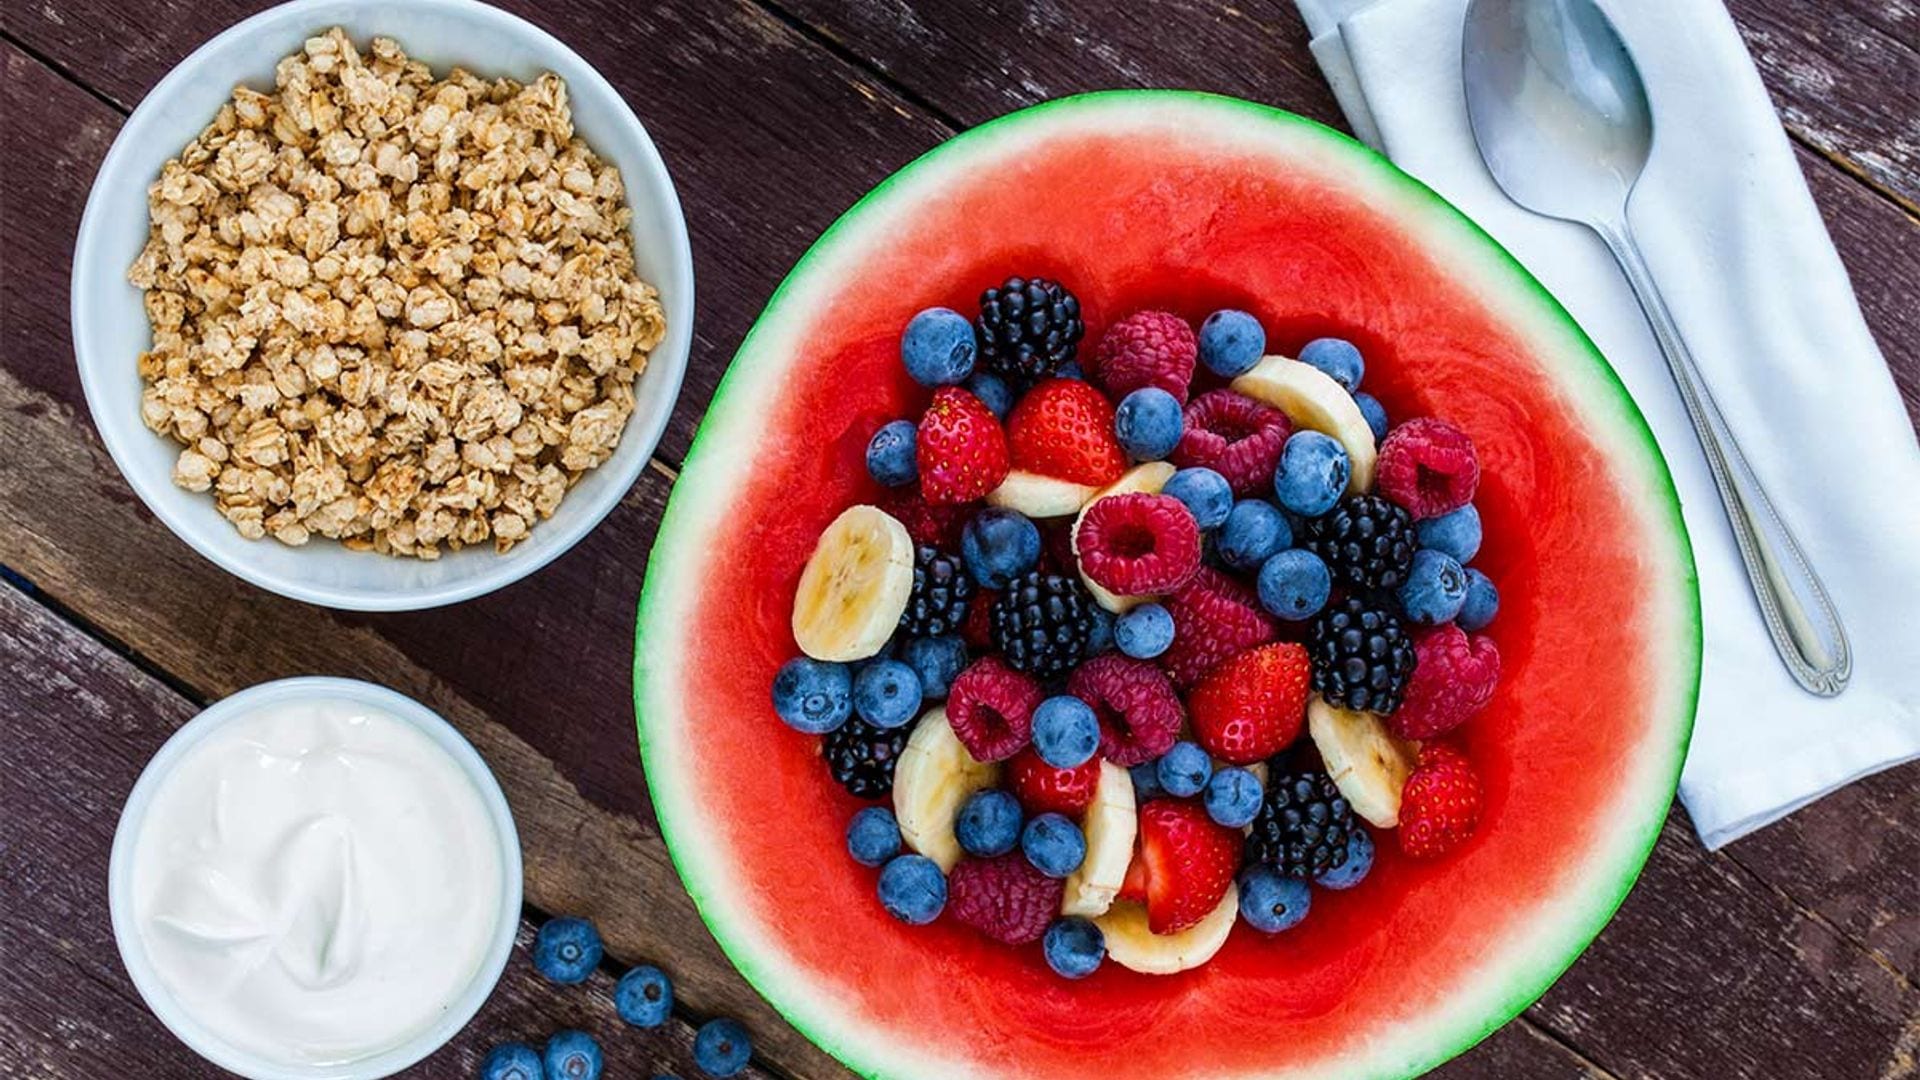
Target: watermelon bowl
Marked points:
1190	203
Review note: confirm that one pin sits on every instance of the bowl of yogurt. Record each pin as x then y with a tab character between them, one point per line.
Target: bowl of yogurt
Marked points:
315	878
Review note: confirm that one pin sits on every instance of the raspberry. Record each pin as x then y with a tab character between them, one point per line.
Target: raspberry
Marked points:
1440	804
1214	617
1251	707
1147	348
936	526
1064	428
961	453
1235	436
990	706
977	630
1453	678
1043	788
1139	545
1427	466
1004	897
1139	713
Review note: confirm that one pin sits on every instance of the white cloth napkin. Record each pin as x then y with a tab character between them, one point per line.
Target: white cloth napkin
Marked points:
1746	265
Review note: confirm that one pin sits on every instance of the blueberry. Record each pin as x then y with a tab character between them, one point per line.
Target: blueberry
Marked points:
1374	413
1253	532
1233	797
1338	358
1054	845
573	1055
1204	492
1074	947
644	996
1146	781
1145	632
1456	533
1294	584
936	660
1184	770
913	889
512	1061
1100	636
721	1047
1148	424
1482	603
813	696
1070	370
993	392
1065	732
1231	342
873	836
890	452
1359	861
989	823
1435	588
938	347
1312	474
886	693
998	546
566	950
1271	901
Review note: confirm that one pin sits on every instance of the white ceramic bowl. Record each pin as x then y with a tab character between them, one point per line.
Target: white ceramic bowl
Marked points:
110	326
120	876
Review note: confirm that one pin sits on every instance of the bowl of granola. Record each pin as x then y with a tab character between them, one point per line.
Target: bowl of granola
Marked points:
382	306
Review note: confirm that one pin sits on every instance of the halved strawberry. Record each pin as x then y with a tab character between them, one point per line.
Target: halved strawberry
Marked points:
1043	788
961	451
1063	428
1251	706
1183	865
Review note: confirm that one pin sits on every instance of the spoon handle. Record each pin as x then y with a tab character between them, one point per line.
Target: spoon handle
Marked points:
1799	615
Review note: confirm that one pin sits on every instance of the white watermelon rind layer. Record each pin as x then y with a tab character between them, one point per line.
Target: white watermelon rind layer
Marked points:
1513	972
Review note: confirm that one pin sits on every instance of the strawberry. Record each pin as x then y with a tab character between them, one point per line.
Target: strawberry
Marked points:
962	453
1184	864
1440	804
1063	428
1251	706
1043	788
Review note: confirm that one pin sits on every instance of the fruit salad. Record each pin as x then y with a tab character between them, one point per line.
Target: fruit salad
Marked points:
1142	643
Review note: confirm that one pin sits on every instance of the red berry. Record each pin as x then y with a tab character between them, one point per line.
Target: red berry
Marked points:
1043	788
1427	466
936	526
1004	897
1056	547
1251	707
1139	714
1139	545
1440	805
977	631
1184	864
962	452
1064	428
1147	348
990	706
1214	617
1453	678
1235	436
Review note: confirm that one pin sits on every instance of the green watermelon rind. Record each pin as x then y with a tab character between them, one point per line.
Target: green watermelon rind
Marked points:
1526	982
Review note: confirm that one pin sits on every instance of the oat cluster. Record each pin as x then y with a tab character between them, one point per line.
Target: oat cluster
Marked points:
392	310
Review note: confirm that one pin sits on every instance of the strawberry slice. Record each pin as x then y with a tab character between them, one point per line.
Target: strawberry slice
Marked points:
1063	428
1251	706
1183	865
961	451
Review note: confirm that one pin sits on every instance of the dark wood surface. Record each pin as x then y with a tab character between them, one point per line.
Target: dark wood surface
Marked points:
1791	954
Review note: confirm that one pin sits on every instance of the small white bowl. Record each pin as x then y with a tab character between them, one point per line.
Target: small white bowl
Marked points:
120	874
110	326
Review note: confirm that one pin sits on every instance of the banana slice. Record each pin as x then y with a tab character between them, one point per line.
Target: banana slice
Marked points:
1311	399
934	775
1039	496
1133	946
854	586
1143	479
1368	763
1110	824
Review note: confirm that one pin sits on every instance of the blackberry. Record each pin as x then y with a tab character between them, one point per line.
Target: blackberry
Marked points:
1361	656
1303	826
1042	623
862	756
1366	541
941	589
1028	328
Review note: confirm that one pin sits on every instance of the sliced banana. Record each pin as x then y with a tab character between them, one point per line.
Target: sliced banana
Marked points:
1368	763
934	775
1039	496
1144	479
854	586
1110	824
1311	399
1133	946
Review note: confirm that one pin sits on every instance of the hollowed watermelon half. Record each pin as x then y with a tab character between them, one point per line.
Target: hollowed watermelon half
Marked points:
1190	203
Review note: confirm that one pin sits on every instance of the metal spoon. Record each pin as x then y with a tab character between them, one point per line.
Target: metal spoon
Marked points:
1560	114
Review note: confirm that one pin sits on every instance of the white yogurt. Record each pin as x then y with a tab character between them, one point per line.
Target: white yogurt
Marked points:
316	882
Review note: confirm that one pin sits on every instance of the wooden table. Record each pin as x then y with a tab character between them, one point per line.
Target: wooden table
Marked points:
1791	954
